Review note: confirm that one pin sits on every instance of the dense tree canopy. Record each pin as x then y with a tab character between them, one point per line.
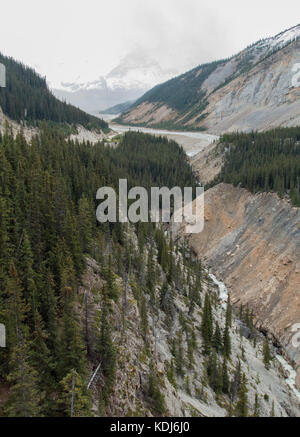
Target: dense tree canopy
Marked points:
47	226
266	161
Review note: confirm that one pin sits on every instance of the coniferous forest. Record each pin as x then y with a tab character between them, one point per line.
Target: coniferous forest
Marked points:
47	229
147	319
266	161
27	98
59	330
74	292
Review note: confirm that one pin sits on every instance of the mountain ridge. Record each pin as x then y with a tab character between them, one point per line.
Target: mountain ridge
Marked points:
231	94
130	79
27	99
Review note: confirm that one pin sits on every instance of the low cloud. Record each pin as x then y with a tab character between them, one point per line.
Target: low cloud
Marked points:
74	41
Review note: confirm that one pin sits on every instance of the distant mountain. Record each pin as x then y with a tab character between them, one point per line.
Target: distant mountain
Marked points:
118	109
129	80
256	89
28	98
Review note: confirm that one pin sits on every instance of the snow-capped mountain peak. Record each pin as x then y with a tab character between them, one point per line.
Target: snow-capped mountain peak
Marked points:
135	70
130	79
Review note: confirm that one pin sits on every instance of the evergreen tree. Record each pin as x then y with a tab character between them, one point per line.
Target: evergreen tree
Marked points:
144	317
228	316
24	396
225	377
171	374
75	398
111	287
267	354
157	403
226	341
179	355
150	279
106	350
236	382
241	408
193	297
217	338
256	412
213	371
207	325
85	217
273	409
27	98
71	348
28	276
41	357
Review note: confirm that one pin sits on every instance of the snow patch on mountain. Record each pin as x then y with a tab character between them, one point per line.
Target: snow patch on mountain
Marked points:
284	37
278	41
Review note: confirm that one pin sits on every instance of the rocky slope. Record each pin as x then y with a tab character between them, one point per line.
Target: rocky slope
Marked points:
208	163
28	132
188	395
257	89
252	242
82	135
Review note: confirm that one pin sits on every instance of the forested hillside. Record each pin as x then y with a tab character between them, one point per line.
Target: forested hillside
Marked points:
184	91
151	161
27	97
125	304
47	226
117	109
267	161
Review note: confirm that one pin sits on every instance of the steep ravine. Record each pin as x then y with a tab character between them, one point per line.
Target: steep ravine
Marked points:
289	371
252	243
189	394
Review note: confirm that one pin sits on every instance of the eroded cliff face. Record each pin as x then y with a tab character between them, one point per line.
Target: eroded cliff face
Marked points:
252	242
208	163
266	97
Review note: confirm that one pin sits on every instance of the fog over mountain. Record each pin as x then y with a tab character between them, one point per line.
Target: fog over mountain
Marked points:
83	45
135	74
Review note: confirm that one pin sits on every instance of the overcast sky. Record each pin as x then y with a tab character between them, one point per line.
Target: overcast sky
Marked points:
70	39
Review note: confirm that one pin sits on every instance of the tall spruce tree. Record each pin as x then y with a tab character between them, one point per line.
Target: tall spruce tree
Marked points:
241	408
226	340
24	396
106	349
267	354
207	325
75	398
